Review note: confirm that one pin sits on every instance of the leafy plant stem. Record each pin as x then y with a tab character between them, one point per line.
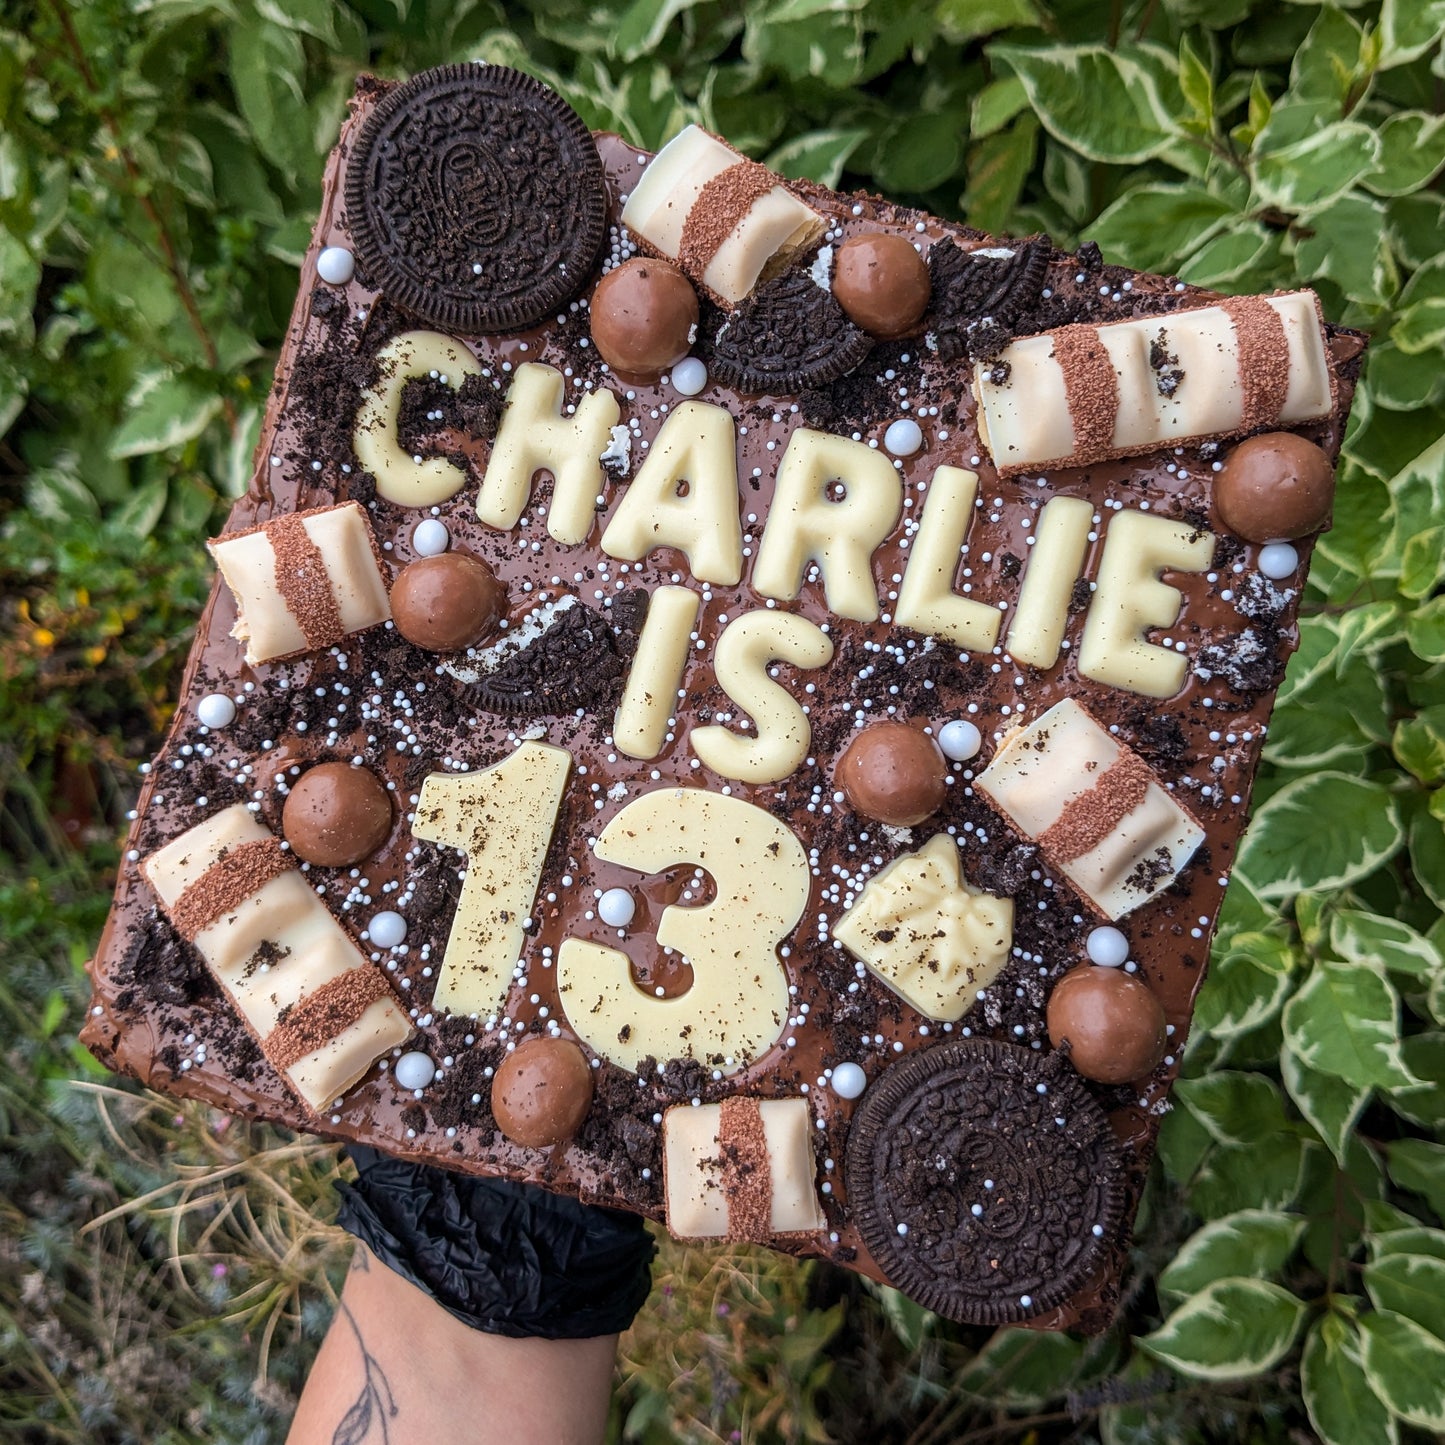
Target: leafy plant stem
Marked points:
1146	19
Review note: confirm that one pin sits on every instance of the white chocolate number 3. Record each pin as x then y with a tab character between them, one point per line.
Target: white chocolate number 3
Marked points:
738	1002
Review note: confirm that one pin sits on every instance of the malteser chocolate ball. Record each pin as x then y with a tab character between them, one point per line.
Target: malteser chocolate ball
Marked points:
542	1092
893	773
336	815
448	602
1112	1023
1274	488
882	283
644	315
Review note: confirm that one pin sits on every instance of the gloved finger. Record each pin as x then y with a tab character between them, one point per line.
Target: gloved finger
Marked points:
505	1258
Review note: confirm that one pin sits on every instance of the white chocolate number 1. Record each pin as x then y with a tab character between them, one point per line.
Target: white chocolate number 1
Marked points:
738	1001
502	818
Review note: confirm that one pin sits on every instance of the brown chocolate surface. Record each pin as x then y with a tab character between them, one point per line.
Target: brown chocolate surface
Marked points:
375	696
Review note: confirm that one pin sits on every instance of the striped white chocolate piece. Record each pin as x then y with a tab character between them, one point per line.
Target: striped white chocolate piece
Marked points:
1097	812
1082	394
742	1169
726	220
322	1013
303	580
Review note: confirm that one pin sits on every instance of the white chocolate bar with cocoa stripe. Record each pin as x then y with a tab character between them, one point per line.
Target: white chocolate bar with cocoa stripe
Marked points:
748	230
1096	810
303	580
1083	394
323	1014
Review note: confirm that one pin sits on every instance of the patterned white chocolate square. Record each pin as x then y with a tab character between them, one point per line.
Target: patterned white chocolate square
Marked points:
930	937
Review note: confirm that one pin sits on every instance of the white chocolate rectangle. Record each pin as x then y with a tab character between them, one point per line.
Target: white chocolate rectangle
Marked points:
773	227
1041	424
1057	760
1207	352
776	226
1311	388
694	1169
264	620
307	949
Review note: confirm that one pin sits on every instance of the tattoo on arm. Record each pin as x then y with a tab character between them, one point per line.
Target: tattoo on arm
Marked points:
375	1405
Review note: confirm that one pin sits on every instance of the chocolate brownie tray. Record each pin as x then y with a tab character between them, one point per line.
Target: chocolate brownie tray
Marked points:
726	699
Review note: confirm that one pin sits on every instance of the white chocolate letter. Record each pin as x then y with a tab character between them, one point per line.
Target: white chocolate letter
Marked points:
926	601
502	818
740	662
1054	563
399	477
685	495
804	525
738	1001
650	696
534	436
1130	597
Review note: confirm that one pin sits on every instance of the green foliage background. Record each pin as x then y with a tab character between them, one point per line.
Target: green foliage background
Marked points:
159	164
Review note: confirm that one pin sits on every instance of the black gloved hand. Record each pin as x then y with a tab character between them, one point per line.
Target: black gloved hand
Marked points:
509	1259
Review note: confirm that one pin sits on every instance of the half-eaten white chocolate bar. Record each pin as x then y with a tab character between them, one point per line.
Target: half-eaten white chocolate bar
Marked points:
726	220
1082	394
303	580
740	1170
1094	807
322	1013
920	928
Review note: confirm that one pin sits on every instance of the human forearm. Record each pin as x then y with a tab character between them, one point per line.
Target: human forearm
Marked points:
396	1368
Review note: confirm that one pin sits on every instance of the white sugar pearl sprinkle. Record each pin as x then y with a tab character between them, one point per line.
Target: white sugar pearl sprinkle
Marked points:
430	537
414	1070
1278	560
959	740
903	438
387	929
216	710
616	908
689	376
336	265
848	1081
1107	947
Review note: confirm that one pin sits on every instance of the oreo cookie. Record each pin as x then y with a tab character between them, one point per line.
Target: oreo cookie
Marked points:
986	1183
790	335
476	199
577	662
980	303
